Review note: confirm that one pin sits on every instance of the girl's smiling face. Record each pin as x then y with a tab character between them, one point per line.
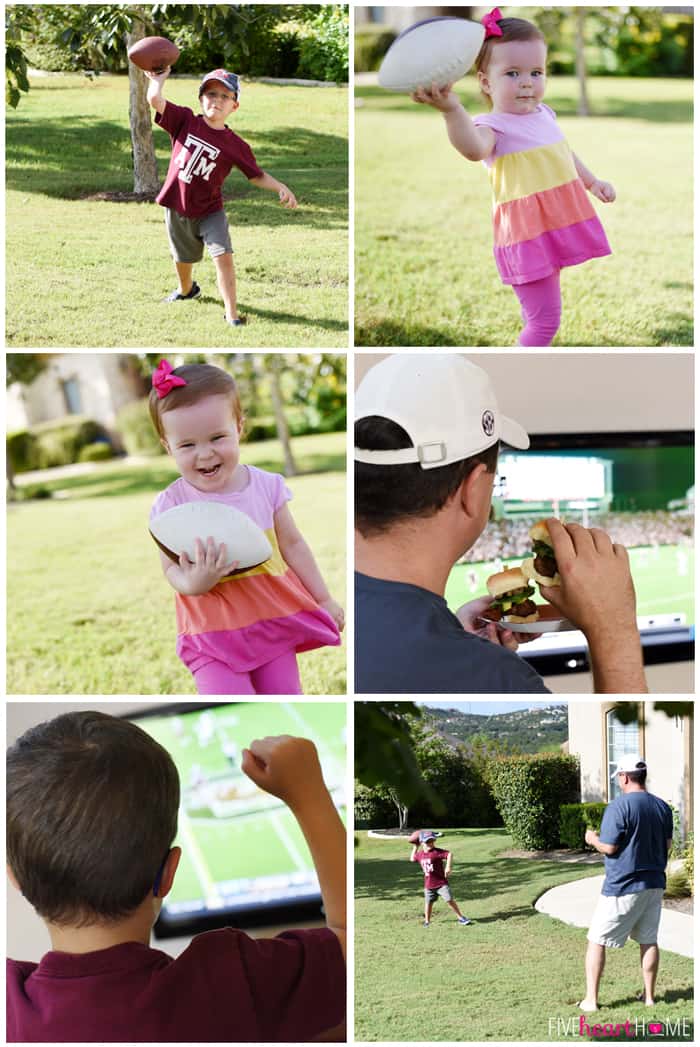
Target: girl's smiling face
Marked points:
204	441
515	78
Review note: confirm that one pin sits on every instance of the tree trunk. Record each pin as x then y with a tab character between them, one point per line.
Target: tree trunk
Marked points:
583	106
290	466
144	154
401	808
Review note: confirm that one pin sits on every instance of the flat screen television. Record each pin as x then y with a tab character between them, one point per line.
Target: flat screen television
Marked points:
244	859
638	486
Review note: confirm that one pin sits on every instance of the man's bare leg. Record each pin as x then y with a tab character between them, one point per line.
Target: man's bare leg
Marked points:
649	959
595	964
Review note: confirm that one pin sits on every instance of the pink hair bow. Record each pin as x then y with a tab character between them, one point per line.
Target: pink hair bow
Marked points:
164	380
490	21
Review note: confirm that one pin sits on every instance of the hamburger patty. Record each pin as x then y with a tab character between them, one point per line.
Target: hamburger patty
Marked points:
522	610
546	566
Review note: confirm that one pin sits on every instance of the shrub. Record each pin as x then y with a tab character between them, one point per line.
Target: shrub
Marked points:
575	818
688	862
677	884
371	44
136	429
323	54
22	450
372	810
529	790
59	442
99	451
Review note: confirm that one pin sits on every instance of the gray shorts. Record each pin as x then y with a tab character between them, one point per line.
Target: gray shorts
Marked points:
188	236
617	918
431	893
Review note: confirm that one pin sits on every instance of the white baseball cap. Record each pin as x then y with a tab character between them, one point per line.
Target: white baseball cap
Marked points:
629	764
445	404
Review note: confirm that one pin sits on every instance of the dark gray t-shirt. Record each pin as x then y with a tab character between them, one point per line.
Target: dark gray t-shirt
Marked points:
407	641
640	824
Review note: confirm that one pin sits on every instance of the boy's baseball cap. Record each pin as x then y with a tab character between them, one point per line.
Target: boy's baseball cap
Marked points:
426	835
444	402
629	764
229	80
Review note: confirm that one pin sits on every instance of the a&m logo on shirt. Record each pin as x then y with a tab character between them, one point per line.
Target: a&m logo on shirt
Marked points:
194	159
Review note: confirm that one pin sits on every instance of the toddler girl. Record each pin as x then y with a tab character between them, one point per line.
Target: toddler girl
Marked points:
542	218
237	633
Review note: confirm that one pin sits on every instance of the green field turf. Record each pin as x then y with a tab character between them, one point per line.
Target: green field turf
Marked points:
663	580
264	842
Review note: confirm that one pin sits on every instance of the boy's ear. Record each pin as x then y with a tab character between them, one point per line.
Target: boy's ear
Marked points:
169	870
235	106
477	486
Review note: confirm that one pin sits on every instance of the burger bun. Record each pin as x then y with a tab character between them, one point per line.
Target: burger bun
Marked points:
539	532
519	619
506	581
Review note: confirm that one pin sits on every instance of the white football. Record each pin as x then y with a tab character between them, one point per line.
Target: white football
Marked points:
437	50
176	530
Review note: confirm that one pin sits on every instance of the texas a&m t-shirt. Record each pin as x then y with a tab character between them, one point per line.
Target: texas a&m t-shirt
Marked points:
431	862
201	159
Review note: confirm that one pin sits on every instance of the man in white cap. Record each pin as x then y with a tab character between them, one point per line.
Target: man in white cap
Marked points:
427	434
635	837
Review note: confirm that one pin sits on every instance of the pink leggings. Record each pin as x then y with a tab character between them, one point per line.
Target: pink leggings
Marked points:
280	676
540	305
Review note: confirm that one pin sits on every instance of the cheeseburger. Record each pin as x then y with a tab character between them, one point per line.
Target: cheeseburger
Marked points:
511	598
542	567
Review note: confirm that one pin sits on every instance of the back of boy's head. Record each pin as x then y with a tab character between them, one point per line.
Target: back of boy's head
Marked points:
513	29
92	804
202	380
389	494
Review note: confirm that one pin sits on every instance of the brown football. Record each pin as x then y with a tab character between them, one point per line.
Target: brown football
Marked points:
154	53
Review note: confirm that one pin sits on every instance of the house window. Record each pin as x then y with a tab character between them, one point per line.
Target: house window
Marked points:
71	394
622	739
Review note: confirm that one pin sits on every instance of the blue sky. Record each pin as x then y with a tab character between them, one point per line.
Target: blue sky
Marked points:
489	708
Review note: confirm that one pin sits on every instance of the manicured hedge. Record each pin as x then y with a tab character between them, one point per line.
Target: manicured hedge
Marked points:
529	790
575	818
22	451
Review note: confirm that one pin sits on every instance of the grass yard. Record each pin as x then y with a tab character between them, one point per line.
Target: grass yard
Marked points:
88	610
508	976
663	580
85	271
424	269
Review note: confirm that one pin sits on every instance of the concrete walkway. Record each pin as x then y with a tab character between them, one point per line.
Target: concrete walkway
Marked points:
574	903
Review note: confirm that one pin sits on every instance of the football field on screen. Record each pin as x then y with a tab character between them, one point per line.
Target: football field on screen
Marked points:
229	829
663	580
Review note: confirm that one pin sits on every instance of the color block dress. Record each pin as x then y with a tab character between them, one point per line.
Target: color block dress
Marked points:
249	619
543	218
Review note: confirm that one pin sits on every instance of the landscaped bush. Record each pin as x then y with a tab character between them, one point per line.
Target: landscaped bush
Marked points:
22	450
688	862
323	54
60	442
529	790
678	884
373	811
100	451
575	818
371	44
136	429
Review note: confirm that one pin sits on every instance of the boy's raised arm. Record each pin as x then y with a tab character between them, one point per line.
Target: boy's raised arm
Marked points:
154	94
289	768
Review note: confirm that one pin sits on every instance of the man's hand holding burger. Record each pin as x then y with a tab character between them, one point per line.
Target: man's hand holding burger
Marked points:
597	594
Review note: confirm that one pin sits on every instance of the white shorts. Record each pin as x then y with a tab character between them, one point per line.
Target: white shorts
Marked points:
627	916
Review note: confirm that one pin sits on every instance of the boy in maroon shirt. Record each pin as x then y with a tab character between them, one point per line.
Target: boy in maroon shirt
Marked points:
204	151
436	875
92	805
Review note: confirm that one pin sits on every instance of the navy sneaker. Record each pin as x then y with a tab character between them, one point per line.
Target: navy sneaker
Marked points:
240	321
425	923
194	292
463	919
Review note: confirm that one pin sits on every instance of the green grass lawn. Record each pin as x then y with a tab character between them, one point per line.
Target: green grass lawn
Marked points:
88	609
424	269
505	977
663	581
85	271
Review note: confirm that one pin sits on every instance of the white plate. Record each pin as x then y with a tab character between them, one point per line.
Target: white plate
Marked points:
437	50
549	621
